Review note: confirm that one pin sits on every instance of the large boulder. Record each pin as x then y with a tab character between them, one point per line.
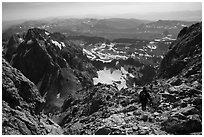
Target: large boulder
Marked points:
103	131
175	125
189	110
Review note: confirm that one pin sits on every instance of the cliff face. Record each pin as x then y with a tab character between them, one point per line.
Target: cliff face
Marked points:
182	70
55	65
184	54
11	46
21	105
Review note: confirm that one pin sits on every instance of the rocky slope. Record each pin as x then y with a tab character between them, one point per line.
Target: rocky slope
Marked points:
183	53
104	109
176	108
182	65
21	102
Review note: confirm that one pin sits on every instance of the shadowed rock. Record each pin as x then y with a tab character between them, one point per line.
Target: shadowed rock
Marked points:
21	105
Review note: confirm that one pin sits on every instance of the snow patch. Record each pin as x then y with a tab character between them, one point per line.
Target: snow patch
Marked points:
157	40
104	61
57	44
58	95
117	62
152	45
147	55
29	42
167	38
183	25
132	55
21	40
63	45
107	77
116	77
89	54
141	49
47	33
111	47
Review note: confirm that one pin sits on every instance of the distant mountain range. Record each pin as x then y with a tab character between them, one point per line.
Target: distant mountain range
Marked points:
181	15
112	28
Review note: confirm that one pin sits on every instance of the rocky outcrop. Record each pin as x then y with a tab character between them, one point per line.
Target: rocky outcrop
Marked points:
183	66
21	106
185	52
11	47
180	107
55	65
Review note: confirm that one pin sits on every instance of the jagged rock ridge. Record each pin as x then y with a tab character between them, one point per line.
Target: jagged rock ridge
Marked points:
55	65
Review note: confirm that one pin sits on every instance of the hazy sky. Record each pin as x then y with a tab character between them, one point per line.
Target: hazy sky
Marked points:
150	10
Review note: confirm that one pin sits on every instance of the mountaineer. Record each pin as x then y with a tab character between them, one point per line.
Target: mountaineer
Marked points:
144	97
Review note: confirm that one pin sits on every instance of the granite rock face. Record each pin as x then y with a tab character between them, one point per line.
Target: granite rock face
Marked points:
21	106
184	54
183	66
